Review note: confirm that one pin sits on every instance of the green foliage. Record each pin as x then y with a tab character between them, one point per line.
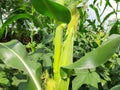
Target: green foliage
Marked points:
3	79
40	58
117	87
14	55
89	77
115	28
99	55
52	9
96	11
14	18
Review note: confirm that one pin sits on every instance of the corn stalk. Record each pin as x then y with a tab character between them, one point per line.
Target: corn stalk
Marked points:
63	51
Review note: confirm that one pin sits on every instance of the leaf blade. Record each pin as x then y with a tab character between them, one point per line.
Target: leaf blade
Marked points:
98	56
52	9
14	55
16	17
96	12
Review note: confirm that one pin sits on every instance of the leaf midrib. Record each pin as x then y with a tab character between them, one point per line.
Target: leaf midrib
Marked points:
26	66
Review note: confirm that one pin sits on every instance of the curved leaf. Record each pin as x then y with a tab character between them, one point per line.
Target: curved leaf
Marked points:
52	9
115	28
14	55
96	12
108	3
107	16
117	87
16	17
98	56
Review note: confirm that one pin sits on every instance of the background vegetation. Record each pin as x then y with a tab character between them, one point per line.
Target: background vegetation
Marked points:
28	35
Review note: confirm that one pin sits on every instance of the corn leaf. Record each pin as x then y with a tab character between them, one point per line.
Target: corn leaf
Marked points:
16	17
98	56
52	9
14	55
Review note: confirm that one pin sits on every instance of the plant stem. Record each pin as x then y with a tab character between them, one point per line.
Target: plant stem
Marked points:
63	52
57	51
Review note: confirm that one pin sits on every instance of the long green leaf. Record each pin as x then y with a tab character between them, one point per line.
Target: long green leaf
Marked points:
96	12
14	55
108	3
16	17
52	9
98	56
107	16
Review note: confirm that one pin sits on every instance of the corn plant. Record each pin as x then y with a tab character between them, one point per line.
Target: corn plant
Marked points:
14	55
